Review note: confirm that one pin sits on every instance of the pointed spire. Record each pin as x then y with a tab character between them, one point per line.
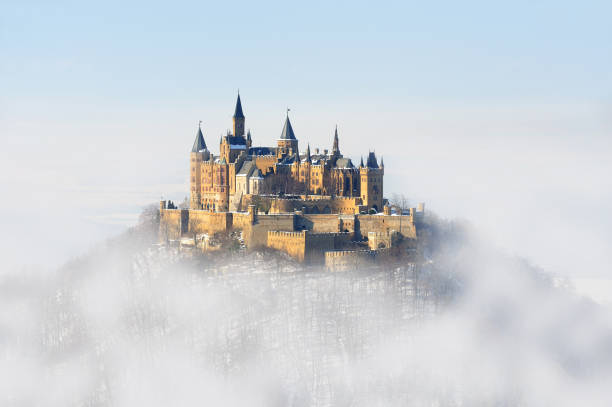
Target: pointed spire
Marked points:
249	134
336	148
238	112
199	144
308	159
382	163
287	133
361	165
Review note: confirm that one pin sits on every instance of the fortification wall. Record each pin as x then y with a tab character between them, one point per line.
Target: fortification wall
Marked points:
208	222
264	223
383	223
306	246
322	223
346	223
353	259
241	220
292	243
317	245
172	223
383	240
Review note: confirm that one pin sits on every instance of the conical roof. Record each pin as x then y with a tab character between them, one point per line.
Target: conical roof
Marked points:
238	112
287	133
198	144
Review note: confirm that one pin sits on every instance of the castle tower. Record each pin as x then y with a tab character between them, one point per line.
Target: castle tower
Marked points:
372	183
199	153
232	145
238	118
287	143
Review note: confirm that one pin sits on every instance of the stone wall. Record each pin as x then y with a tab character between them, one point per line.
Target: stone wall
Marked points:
255	227
200	221
319	223
383	240
381	223
317	245
353	259
265	223
305	246
292	243
241	220
172	223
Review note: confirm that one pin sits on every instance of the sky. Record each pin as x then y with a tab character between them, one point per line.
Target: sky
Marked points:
497	114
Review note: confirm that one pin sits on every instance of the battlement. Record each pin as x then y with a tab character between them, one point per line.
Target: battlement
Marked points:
352	259
286	235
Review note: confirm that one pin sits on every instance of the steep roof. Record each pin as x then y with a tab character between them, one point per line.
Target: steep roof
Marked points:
198	144
236	140
238	112
287	133
372	163
246	168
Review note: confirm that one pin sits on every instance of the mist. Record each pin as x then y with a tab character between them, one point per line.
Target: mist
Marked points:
132	323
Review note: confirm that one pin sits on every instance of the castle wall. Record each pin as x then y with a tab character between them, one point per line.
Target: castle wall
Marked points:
265	223
172	223
382	240
241	220
313	204
323	223
317	245
305	246
208	222
292	243
353	259
381	223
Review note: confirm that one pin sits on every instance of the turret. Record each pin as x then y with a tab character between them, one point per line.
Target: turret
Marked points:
238	118
199	153
371	182
232	145
287	143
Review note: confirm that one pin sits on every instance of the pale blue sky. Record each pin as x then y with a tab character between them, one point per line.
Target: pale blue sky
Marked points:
142	52
498	113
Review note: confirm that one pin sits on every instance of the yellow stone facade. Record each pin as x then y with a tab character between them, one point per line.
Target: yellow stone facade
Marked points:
315	206
279	171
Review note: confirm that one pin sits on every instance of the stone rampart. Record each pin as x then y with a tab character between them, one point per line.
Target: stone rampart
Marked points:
173	223
321	223
201	221
265	223
292	243
353	259
305	246
241	220
383	223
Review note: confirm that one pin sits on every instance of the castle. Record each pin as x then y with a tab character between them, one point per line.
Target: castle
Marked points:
225	182
302	203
